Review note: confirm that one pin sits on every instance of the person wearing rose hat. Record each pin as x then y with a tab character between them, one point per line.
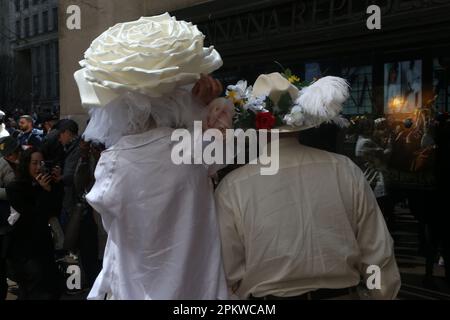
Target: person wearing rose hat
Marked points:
140	81
311	230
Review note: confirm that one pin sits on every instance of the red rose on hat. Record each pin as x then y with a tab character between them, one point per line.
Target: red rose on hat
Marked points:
265	120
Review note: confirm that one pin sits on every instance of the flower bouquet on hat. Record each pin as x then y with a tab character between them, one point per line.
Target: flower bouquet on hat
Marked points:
283	102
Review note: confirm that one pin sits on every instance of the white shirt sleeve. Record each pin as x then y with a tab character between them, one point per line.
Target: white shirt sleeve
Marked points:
375	243
233	251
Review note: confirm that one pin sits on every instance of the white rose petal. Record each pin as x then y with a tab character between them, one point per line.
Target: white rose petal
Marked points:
152	56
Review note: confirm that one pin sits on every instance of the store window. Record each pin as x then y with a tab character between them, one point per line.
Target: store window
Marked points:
56	52
361	98
312	71
18	29
55	18
35	24
45	21
402	86
441	86
36	72
27	27
48	70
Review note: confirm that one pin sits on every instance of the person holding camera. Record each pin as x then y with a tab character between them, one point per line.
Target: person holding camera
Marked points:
10	151
36	195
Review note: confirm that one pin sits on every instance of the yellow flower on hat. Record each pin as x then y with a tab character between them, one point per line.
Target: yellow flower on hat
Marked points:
293	79
233	96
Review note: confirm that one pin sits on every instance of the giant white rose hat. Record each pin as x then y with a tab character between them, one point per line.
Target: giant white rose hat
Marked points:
150	56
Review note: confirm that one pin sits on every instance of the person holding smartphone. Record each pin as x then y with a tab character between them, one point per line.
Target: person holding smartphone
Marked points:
36	195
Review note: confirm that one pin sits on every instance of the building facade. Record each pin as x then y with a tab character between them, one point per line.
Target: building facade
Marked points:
34	24
5	34
392	70
6	65
96	17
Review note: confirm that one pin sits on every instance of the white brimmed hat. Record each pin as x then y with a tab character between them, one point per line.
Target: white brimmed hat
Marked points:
308	106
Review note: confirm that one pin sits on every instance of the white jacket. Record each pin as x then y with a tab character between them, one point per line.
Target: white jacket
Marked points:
163	237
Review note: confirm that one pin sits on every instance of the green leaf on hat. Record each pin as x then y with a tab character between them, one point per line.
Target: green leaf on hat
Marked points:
285	103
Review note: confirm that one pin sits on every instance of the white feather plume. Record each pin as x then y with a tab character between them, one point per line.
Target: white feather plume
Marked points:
324	98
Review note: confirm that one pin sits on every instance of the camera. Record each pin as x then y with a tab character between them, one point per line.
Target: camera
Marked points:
46	167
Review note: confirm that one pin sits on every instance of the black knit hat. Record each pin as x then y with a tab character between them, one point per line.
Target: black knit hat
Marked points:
8	145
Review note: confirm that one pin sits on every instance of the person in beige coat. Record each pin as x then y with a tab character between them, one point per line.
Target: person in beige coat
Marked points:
313	230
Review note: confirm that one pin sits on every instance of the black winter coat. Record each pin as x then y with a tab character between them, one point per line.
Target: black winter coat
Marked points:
31	236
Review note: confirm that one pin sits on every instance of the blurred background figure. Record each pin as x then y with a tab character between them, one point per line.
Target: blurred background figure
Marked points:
30	136
51	148
12	127
48	122
68	137
371	153
92	236
3	131
10	151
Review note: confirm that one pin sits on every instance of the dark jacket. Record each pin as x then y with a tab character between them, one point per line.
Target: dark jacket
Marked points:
31	236
72	155
7	175
32	138
52	149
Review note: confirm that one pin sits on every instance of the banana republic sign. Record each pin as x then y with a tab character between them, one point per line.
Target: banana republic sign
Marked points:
253	19
284	17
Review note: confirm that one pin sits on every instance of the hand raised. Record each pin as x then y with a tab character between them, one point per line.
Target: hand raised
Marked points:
44	181
207	89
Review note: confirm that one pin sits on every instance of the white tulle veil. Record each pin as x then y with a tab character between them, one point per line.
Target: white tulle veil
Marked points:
134	113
